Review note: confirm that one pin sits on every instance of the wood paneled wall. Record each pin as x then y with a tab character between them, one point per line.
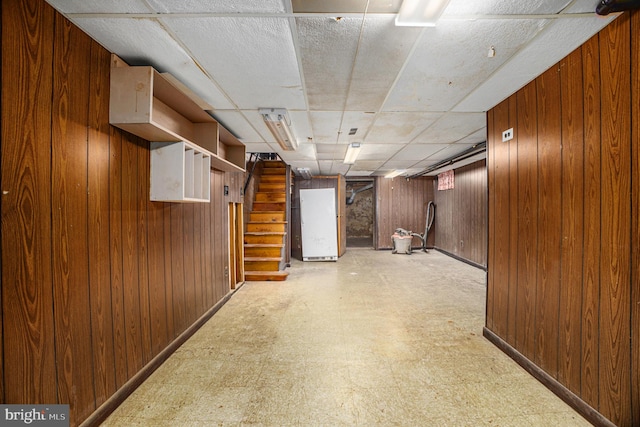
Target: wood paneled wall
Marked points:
563	224
96	279
401	203
235	184
635	224
460	225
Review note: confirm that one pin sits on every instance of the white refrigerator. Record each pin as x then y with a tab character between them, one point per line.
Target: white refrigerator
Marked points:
319	224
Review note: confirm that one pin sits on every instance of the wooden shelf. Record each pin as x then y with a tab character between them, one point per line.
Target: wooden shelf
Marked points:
158	108
179	172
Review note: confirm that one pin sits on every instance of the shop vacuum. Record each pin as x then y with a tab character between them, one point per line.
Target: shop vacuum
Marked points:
401	238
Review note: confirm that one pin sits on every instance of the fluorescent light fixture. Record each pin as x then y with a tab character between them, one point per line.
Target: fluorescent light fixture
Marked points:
277	121
352	153
304	172
420	13
395	173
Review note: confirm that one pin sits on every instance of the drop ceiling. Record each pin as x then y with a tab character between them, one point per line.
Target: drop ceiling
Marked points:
415	95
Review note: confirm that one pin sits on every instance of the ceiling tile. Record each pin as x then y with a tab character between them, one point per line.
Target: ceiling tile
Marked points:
325	125
331	148
355	120
311	165
532	61
383	50
424	164
339	168
159	50
447	63
378	151
452	127
416	95
450	150
100	6
300	126
475	138
504	7
331	151
363	165
346	6
416	152
327	156
259	69
327	49
400	127
237	124
258	147
218	6
390	165
303	152
357	173
328	167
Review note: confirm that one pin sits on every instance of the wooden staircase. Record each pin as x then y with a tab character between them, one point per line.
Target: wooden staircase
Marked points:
266	230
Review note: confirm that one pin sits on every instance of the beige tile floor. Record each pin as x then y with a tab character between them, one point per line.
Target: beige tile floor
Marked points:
374	339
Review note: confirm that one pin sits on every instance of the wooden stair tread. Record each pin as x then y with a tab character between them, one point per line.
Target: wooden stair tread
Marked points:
270	197
259	276
267	222
262	258
268	273
277	222
265	259
265	233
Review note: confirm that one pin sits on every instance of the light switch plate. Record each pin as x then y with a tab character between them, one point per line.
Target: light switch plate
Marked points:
507	135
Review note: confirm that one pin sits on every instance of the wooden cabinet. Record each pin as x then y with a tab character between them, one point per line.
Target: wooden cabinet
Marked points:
158	108
179	172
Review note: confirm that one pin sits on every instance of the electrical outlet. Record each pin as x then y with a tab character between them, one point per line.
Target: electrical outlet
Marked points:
507	135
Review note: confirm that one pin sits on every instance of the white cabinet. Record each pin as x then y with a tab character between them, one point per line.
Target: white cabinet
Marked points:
156	107
179	172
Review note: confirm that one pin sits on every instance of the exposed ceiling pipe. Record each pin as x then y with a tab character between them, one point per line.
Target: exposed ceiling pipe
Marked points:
469	152
359	190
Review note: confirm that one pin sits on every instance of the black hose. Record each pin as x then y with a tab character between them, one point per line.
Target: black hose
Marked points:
431	214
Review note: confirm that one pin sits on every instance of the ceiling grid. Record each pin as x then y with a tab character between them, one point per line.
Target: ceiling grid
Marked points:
416	95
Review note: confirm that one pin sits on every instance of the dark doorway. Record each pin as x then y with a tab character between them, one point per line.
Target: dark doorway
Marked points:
360	213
